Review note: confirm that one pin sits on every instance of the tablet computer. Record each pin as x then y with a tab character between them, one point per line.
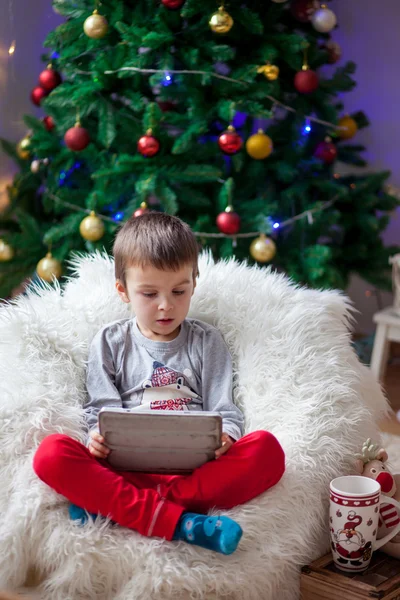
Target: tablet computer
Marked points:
159	441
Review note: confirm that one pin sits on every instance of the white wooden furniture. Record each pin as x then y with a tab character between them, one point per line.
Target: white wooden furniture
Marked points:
388	330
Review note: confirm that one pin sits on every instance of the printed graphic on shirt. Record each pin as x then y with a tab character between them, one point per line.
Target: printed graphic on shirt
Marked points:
166	390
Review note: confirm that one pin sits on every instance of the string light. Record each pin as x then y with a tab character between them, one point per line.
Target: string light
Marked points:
116	218
64	175
308	214
275	102
168	80
307	127
11	49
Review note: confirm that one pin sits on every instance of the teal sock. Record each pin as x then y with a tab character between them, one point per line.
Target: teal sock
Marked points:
77	513
220	534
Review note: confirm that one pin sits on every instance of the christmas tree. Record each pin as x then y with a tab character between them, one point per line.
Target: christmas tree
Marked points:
221	115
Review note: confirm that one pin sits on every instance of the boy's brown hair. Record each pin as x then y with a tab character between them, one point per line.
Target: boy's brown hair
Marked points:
156	239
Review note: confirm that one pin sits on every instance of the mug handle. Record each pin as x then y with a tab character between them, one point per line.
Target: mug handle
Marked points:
379	543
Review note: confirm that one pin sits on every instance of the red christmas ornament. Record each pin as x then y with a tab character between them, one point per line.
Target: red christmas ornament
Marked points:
148	145
230	141
228	222
326	151
49	123
173	4
334	51
166	105
141	211
303	10
77	138
306	81
49	79
37	95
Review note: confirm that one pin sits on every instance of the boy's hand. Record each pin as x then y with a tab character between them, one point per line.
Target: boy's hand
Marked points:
226	443
97	446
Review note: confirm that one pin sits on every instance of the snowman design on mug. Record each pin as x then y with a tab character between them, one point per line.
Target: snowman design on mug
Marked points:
350	543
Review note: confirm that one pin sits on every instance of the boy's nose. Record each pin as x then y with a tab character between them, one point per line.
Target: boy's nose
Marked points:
165	305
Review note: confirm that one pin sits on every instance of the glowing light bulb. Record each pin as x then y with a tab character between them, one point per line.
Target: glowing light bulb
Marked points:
168	80
307	127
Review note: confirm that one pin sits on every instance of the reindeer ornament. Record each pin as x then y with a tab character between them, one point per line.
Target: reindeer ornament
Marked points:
371	463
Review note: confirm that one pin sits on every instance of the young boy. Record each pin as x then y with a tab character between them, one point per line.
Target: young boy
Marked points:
161	360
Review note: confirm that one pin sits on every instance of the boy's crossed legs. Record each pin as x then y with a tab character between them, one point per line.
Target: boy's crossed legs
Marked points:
153	504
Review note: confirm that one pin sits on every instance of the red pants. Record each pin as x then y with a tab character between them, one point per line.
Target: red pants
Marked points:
150	503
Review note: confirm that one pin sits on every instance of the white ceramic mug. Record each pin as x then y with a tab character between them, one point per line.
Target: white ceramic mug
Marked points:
355	502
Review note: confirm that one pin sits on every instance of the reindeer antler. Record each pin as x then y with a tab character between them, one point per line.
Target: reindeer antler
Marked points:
369	452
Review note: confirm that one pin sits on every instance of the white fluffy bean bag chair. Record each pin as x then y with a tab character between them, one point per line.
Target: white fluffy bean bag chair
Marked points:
296	375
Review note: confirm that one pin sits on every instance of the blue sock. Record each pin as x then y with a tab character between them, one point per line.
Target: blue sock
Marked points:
77	513
221	534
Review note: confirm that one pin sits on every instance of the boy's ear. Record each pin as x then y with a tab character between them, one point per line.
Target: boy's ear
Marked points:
122	292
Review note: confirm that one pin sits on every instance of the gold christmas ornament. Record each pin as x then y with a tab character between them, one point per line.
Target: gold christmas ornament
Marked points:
92	228
6	252
348	128
48	268
259	145
95	26
271	72
23	148
263	249
221	21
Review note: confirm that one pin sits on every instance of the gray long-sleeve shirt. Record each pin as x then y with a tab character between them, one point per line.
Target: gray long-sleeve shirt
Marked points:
191	372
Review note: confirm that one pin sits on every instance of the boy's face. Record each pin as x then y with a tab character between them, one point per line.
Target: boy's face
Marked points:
160	299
